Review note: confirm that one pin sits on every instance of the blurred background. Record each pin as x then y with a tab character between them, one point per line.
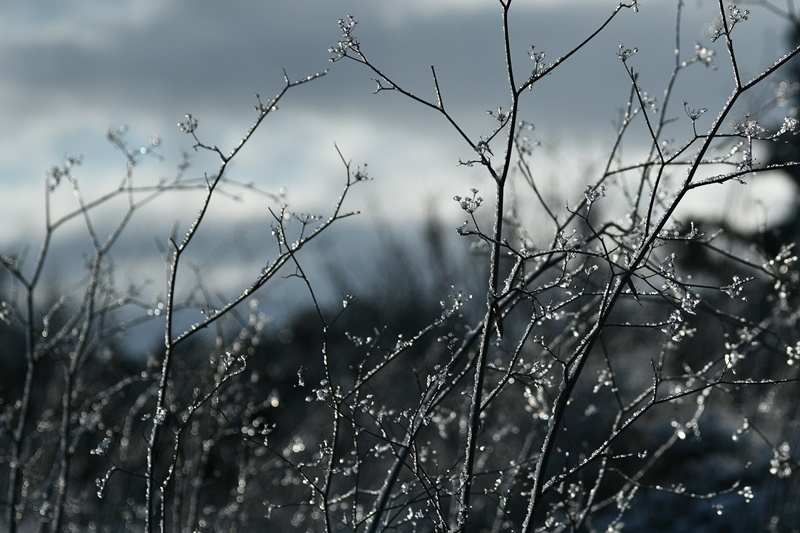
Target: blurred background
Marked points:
69	73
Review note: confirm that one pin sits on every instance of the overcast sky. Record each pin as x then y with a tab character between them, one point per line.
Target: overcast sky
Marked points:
71	70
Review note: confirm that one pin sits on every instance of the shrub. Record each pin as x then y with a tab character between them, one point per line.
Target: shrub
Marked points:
613	359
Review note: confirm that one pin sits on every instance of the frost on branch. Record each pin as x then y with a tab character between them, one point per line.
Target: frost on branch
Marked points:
348	42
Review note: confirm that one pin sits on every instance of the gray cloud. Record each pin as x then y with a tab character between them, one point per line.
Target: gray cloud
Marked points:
66	74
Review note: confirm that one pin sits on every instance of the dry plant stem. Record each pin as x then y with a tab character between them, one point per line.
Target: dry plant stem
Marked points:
70	376
612	294
83	320
402	453
20	431
662	122
538	75
496	244
156	489
568	382
18	435
335	397
30	286
493	281
476	398
77	354
435	390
